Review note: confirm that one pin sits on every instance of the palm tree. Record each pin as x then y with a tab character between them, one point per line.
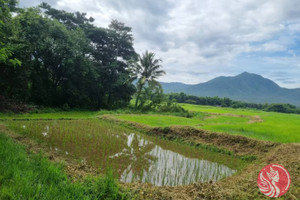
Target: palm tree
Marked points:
146	70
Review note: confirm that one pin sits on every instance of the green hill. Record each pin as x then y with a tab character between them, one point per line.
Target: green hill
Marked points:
245	87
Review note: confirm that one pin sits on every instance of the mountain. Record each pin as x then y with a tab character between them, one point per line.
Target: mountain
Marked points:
246	87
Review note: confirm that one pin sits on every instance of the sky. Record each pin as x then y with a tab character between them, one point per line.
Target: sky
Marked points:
201	39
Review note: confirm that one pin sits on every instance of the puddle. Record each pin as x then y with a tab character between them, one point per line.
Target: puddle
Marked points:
167	167
133	156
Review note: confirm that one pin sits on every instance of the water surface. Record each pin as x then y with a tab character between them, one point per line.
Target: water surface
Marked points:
166	167
132	155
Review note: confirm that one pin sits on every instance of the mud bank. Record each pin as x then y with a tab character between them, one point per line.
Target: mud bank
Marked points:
238	145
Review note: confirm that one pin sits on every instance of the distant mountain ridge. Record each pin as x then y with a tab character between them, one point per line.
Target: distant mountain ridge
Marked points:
246	87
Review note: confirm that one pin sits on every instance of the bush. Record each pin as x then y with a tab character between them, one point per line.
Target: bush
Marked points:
284	108
66	107
173	108
10	105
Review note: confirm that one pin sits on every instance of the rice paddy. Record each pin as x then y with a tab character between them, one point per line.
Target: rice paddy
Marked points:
165	158
268	126
132	156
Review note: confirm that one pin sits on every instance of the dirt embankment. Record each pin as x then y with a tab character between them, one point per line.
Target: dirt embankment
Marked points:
239	145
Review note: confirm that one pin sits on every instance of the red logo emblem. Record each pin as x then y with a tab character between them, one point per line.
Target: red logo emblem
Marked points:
274	180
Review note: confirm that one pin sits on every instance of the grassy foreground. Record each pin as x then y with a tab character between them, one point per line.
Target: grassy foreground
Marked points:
24	176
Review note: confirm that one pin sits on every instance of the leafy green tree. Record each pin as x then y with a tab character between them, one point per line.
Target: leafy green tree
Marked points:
54	56
146	70
151	96
70	20
7	32
284	108
113	52
66	60
8	47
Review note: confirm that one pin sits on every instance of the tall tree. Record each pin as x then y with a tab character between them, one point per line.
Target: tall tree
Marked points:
70	20
146	70
7	32
9	64
65	58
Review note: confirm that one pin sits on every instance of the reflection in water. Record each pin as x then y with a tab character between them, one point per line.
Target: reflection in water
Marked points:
151	163
133	157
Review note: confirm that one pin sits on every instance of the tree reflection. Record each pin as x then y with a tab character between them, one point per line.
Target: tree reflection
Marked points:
135	159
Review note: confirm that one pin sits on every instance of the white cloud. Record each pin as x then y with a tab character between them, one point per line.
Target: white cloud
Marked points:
204	37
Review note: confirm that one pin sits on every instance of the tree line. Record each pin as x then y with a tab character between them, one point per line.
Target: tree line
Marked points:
226	102
56	58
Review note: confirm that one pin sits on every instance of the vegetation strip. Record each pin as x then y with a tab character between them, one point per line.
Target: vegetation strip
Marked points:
226	102
28	119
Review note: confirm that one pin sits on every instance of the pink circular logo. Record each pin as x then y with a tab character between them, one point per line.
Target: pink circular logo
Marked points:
274	180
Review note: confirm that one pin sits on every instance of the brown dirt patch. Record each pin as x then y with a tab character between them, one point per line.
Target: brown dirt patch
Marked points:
255	119
211	116
252	119
244	185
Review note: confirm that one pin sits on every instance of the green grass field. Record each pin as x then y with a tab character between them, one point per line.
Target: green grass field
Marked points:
277	127
52	115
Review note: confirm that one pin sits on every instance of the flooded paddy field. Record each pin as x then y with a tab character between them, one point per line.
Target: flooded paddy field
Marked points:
157	162
133	156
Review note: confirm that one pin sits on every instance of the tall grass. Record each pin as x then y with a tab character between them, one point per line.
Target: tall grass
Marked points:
24	176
